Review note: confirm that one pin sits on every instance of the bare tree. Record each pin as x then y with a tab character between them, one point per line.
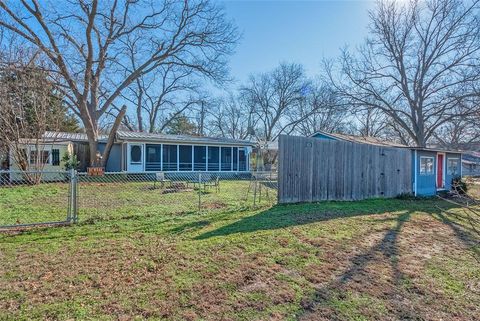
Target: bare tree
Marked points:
29	106
159	98
321	110
229	117
369	122
87	42
420	63
458	133
274	99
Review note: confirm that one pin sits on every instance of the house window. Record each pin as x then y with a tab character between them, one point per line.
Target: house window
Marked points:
452	166
226	158
55	157
200	158
213	158
426	165
135	154
169	157
42	154
185	154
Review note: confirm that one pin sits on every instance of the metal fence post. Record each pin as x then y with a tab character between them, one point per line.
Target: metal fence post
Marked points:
73	217
70	196
199	192
255	191
69	205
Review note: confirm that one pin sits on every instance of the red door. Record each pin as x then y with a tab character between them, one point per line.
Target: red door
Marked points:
440	171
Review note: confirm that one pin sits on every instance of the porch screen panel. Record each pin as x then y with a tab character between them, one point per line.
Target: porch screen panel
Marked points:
226	159
200	158
242	159
235	158
153	158
169	157
185	154
213	158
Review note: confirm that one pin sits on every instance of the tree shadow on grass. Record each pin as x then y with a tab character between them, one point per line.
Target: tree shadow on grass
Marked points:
468	237
282	216
387	249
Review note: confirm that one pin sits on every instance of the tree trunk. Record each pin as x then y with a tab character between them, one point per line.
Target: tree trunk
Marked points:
139	108
111	136
93	147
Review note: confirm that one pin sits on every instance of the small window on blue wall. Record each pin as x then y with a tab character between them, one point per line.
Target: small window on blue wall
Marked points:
453	166
426	165
135	154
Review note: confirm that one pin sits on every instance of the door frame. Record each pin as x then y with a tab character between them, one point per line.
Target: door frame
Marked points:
444	161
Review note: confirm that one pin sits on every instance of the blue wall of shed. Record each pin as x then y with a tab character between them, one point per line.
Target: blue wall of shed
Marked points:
114	163
426	184
449	177
319	135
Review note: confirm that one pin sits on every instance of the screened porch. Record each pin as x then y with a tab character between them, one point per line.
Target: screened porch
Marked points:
176	157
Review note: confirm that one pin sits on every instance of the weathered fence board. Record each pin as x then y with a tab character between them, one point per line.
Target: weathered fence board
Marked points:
312	169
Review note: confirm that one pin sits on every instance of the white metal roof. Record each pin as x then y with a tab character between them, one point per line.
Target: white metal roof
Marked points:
147	137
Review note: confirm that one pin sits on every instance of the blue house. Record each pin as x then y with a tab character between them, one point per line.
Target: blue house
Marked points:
134	152
432	169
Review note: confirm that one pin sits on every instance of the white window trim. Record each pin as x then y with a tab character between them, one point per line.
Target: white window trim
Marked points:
420	166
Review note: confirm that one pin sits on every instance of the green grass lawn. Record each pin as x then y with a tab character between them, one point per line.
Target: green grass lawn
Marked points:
150	256
121	199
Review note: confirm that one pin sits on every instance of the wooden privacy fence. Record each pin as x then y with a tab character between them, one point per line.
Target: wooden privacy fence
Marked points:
313	169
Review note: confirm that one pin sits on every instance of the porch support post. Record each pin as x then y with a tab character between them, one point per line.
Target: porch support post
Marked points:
193	158
161	157
178	158
206	158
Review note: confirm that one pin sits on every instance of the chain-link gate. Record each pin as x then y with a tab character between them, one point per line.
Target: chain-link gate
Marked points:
35	198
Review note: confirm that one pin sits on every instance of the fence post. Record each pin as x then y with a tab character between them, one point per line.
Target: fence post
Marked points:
255	191
73	196
69	206
199	192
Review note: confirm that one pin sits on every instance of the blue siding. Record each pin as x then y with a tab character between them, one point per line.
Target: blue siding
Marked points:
450	176
114	163
426	184
322	136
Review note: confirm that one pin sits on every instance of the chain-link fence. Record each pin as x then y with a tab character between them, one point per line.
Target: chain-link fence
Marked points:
120	195
36	197
65	197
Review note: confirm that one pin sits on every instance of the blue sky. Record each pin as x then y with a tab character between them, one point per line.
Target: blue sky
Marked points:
294	31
